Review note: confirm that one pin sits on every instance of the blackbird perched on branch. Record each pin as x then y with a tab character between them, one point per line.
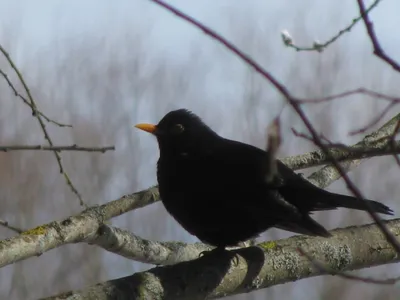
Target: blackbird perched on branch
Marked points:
215	188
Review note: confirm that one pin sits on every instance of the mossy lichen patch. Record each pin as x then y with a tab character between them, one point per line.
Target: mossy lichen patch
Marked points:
268	245
36	231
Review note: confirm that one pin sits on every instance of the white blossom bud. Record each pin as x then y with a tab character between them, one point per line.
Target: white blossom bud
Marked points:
318	46
286	38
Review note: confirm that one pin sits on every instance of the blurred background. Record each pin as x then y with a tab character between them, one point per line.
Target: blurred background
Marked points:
104	66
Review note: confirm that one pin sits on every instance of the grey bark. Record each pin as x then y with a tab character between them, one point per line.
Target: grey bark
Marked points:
214	276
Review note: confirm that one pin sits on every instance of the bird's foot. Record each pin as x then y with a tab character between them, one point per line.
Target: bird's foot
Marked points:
217	250
222	251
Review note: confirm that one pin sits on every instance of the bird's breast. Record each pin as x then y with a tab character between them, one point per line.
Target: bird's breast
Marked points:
177	175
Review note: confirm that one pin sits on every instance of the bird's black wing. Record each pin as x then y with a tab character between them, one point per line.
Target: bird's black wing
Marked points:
244	167
265	203
308	197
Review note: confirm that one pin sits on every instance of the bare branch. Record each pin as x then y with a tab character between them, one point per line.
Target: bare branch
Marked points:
17	94
393	141
374	121
268	264
362	91
319	47
56	148
318	157
8	226
71	230
326	270
131	246
378	51
35	113
328	174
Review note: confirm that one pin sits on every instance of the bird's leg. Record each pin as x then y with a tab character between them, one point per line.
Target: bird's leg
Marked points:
222	251
216	250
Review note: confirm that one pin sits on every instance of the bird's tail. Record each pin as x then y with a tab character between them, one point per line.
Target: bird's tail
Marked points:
333	201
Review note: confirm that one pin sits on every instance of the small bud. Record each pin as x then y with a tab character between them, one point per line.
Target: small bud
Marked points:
318	46
286	38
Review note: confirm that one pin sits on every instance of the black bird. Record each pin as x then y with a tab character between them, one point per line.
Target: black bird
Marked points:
215	188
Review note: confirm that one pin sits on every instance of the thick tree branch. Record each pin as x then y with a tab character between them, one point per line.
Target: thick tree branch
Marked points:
131	246
71	230
271	263
318	157
328	174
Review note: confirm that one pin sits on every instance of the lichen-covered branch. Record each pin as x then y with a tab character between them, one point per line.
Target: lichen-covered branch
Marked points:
73	229
215	276
131	246
355	152
380	138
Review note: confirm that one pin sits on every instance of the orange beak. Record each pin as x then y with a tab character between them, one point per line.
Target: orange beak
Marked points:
147	127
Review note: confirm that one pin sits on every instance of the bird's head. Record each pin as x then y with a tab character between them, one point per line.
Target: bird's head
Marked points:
180	131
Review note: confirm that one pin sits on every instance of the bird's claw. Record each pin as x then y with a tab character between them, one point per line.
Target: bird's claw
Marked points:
221	251
205	252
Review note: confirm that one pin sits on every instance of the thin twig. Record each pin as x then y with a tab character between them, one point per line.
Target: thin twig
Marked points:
374	121
363	91
8	226
321	46
378	51
36	114
17	94
56	148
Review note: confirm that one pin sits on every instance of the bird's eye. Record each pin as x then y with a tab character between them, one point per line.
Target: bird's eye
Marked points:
178	128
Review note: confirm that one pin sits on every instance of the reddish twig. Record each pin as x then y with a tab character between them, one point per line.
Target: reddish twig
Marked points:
363	91
374	121
311	139
378	51
295	105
